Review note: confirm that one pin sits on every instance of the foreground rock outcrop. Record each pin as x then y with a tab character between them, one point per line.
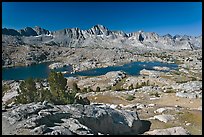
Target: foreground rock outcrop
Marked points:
74	119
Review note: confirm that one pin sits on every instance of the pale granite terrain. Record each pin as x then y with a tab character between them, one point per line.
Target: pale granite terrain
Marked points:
153	103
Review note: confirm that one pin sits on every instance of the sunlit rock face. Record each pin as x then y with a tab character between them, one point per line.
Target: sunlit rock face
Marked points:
98	35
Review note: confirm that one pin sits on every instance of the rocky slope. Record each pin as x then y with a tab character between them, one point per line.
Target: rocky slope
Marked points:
44	118
171	102
98	36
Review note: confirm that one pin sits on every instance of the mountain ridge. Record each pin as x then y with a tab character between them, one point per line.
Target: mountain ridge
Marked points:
43	29
98	35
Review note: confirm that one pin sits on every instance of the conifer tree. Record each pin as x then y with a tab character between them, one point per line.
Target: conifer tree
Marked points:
28	92
57	84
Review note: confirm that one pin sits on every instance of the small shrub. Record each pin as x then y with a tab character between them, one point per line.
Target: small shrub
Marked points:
130	87
117	88
89	89
130	98
98	89
143	84
147	83
84	90
156	94
177	72
138	86
108	88
170	91
184	81
5	88
193	79
75	87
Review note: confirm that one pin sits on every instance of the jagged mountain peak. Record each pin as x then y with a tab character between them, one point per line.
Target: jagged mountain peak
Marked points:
177	36
28	31
11	32
98	30
99	26
99	35
168	35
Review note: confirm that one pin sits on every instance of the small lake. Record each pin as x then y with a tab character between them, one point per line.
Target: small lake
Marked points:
132	68
35	71
42	70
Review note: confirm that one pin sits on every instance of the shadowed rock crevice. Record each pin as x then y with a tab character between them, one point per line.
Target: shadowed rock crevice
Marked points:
50	120
145	126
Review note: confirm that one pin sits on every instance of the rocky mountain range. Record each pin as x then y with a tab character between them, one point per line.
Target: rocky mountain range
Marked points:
98	36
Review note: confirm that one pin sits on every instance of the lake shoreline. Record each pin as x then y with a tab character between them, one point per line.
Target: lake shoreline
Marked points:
134	67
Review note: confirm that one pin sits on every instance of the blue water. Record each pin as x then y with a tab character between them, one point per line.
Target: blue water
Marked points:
132	68
35	71
42	70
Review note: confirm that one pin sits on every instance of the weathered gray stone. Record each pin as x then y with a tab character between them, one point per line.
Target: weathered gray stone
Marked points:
189	86
168	131
76	127
164	118
186	95
59	130
39	130
77	118
161	110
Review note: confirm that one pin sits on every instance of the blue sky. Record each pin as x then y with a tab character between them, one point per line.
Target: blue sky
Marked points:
160	17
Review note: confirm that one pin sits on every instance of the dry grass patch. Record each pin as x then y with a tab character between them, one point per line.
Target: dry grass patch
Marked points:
108	99
195	118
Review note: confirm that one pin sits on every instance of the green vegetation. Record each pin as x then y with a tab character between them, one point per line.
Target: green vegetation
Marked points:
193	117
5	88
89	89
28	92
57	93
182	81
84	90
130	87
179	113
170	91
193	78
75	87
119	85
138	86
117	88
156	94
177	62
176	72
130	98
147	83
98	89
108	88
57	88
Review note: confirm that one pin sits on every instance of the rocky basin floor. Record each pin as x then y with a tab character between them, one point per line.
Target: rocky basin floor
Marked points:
152	103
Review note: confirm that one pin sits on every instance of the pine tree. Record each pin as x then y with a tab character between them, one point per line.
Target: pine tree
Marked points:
28	92
58	84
